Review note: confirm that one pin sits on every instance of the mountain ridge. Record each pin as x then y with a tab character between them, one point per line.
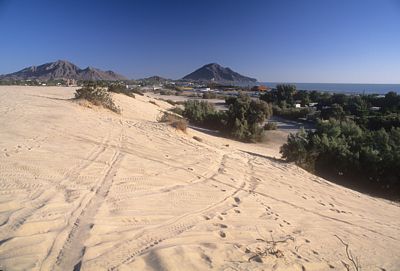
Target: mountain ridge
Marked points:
216	73
61	69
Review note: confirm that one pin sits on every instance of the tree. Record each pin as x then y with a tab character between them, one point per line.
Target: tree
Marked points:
335	111
246	116
285	92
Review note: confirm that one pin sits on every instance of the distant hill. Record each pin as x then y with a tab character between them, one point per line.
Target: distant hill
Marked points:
61	69
154	80
214	72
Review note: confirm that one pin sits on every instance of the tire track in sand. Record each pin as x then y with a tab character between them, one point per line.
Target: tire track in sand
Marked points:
128	250
18	218
68	247
73	249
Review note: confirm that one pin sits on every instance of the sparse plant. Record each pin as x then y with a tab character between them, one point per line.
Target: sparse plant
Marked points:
355	261
137	91
270	249
179	124
174	120
97	96
119	88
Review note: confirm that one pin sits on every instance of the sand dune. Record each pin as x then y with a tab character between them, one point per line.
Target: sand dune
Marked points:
89	189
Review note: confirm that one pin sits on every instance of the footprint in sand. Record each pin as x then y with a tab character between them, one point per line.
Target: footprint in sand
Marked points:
222	226
237	211
222	234
237	200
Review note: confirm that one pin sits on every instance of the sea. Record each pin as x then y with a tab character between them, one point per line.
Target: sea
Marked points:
343	88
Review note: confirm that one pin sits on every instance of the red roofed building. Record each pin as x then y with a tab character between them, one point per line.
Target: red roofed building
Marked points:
261	88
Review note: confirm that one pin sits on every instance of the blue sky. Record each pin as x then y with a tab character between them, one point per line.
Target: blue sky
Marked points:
343	41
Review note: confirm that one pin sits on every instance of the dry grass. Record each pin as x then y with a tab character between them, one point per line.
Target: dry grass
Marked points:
180	124
174	120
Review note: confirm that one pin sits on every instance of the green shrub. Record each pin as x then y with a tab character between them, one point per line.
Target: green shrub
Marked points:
97	96
270	126
167	92
209	95
344	149
118	88
137	91
242	121
291	113
177	110
245	116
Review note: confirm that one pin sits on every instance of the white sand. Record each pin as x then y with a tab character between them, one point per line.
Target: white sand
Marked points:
89	188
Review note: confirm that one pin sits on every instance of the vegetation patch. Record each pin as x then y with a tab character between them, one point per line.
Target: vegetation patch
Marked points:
98	96
175	121
270	126
242	121
120	88
371	159
177	110
138	92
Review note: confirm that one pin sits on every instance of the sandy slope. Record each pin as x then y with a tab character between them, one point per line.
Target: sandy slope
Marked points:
90	189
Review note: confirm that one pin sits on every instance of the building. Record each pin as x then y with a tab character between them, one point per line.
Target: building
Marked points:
261	88
202	89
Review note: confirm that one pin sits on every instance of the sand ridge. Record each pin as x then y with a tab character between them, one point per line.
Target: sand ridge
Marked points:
89	189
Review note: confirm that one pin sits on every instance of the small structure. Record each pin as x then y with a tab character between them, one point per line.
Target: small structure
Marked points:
261	88
71	82
203	89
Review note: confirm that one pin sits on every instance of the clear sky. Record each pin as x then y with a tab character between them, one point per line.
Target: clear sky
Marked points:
342	41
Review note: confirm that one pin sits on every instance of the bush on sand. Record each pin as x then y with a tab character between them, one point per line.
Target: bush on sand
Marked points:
97	96
174	120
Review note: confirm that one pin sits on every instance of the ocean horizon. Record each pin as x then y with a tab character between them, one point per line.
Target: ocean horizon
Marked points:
343	87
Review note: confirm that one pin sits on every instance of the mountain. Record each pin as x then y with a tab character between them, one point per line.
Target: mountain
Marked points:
61	69
216	73
154	80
